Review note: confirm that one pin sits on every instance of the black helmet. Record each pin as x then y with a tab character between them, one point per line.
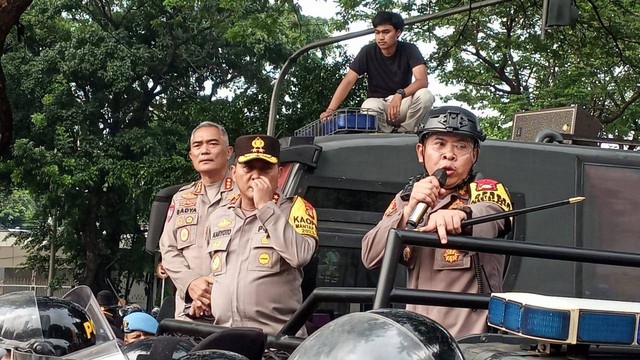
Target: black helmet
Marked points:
453	119
380	334
44	325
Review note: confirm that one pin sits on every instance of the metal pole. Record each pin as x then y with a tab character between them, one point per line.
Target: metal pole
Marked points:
520	248
388	270
543	24
52	251
273	109
162	294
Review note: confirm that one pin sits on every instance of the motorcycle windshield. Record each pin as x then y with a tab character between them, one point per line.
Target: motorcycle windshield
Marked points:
21	328
83	296
19	320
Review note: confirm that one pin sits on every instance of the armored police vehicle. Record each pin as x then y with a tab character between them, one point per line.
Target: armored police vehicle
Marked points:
558	259
350	173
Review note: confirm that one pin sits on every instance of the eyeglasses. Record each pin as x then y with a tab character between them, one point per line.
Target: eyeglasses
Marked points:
441	146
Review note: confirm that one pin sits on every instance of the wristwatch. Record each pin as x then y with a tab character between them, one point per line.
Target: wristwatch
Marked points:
401	92
467	210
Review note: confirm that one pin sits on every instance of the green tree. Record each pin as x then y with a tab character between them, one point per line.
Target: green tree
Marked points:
105	96
17	209
498	59
10	12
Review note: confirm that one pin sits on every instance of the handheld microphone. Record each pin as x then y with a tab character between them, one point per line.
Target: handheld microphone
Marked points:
421	208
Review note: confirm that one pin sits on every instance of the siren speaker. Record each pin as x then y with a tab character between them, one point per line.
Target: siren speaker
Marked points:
568	120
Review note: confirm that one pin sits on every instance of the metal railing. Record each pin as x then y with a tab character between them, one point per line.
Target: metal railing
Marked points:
385	293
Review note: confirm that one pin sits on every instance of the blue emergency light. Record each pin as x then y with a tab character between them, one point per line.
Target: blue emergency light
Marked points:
566	320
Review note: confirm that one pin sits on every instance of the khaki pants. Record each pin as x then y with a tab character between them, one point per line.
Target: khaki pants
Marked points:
412	110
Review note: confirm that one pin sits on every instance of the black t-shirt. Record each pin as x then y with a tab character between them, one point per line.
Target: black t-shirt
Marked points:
386	74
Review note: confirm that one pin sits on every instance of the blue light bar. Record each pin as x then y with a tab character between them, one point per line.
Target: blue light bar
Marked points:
512	313
545	323
496	311
606	328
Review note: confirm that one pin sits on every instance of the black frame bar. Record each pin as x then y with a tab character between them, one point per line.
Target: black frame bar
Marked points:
397	239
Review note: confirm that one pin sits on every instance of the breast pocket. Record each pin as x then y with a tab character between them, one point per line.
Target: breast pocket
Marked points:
186	230
219	250
263	257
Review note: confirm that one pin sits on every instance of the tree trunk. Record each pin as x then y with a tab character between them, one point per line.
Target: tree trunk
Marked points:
10	12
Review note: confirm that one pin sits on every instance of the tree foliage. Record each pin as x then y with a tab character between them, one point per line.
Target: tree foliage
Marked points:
17	209
497	58
10	12
105	95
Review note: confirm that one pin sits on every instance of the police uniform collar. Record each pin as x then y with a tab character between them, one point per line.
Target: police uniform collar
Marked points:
236	200
225	185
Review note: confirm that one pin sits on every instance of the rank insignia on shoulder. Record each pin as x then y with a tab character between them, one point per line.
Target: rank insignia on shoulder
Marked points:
234	199
276	197
457	205
198	189
228	183
393	206
488	190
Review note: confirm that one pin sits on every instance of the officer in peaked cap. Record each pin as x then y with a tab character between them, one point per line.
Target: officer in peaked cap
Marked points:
260	240
262	147
183	241
448	144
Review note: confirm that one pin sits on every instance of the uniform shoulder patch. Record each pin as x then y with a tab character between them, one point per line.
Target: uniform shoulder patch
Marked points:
170	211
303	217
489	190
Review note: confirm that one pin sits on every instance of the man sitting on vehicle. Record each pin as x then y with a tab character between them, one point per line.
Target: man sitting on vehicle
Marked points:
390	65
449	140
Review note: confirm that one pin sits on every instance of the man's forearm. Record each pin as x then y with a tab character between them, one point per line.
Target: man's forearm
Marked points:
415	86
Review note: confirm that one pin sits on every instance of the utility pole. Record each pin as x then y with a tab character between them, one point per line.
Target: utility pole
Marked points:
52	251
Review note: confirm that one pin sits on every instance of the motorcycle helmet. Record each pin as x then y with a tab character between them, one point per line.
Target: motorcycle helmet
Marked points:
451	119
379	335
44	325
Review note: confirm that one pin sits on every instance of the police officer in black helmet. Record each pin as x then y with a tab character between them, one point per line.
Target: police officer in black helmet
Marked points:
448	141
71	327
